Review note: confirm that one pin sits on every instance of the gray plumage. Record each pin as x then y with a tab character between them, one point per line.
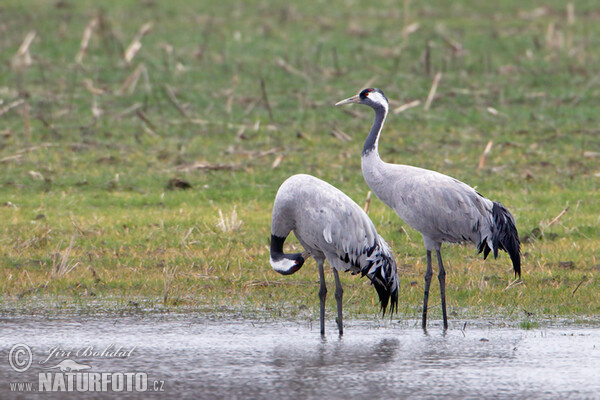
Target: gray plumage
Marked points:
441	208
330	226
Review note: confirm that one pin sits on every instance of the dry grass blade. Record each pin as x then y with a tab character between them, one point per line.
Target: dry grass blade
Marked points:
20	153
340	135
142	116
11	158
484	155
252	153
558	217
26	122
174	101
38	147
456	46
89	85
136	44
570	14
432	91
272	283
129	110
492	111
11	105
22	59
277	161
291	70
85	40
169	277
580	283
407	106
514	283
265	98
367	202
229	223
205	166
35	175
97	112
410	29
535	13
130	82
61	265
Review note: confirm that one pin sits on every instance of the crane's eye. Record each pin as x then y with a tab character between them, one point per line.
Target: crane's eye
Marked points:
365	93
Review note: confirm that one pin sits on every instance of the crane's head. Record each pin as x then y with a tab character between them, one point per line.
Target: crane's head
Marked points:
371	97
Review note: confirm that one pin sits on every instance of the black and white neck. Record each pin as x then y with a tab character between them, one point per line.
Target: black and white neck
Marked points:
379	103
285	264
375	99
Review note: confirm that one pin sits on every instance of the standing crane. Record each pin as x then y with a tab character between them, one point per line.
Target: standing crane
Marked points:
441	208
330	226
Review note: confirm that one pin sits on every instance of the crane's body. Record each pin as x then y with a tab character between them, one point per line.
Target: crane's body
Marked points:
330	226
441	208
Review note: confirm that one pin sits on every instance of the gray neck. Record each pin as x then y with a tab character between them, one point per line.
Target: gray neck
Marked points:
373	138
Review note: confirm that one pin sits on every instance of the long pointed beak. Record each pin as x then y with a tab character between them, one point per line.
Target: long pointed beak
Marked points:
353	99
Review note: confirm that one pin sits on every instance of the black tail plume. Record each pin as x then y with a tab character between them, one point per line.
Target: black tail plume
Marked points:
505	236
382	272
385	294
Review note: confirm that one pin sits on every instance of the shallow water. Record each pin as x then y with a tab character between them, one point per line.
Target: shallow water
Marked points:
233	357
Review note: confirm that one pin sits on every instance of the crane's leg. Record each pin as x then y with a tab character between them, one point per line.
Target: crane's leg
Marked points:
428	276
442	279
339	294
322	295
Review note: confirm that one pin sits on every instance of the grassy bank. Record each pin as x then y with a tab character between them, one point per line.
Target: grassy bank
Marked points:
113	109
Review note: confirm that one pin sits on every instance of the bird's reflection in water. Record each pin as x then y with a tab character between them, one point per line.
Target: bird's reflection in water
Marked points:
337	353
318	370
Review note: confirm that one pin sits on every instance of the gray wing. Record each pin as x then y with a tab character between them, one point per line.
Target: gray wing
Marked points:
330	225
338	226
440	207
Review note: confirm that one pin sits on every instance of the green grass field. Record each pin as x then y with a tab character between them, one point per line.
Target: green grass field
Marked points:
112	105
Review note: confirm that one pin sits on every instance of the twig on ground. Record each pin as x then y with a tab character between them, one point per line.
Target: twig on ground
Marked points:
136	44
265	99
130	82
484	155
11	105
277	161
173	99
580	283
145	119
129	110
291	70
559	216
340	135
85	39
26	122
514	283
205	166
434	85
22	59
407	106
367	202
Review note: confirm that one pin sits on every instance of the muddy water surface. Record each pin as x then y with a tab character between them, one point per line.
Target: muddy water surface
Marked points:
233	357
